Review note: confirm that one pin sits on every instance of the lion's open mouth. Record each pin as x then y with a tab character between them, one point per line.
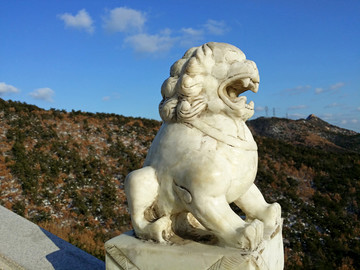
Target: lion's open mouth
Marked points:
234	87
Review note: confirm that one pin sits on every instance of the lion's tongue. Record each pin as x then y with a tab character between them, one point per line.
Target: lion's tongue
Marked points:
240	100
240	103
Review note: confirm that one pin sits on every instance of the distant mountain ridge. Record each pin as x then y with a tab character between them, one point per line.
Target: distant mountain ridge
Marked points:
311	131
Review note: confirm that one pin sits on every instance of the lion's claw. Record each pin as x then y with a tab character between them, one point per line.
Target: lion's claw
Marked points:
249	237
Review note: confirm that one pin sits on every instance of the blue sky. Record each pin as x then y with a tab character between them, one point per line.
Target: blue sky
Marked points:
112	56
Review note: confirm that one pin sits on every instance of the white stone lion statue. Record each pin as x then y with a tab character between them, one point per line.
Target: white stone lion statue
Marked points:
203	157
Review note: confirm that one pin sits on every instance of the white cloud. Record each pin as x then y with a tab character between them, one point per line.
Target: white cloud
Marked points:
358	108
7	89
132	22
215	27
298	107
146	43
124	19
45	94
354	121
81	21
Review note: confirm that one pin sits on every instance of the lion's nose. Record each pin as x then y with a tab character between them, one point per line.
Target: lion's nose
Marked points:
255	78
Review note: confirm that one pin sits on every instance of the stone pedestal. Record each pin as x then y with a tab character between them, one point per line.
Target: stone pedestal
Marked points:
128	252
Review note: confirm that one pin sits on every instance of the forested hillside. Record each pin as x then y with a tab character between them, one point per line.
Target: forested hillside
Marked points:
65	172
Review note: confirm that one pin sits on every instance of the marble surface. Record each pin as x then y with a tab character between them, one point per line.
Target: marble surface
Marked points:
127	252
204	157
24	245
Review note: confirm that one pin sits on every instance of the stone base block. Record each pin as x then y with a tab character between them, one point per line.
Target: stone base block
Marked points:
128	252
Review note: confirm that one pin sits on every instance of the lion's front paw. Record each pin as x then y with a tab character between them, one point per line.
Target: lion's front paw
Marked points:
249	237
252	235
159	230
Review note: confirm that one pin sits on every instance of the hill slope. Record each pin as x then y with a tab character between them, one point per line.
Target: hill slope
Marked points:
312	132
65	171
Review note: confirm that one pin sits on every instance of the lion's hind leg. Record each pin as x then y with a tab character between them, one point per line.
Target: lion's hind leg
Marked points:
141	188
255	207
215	214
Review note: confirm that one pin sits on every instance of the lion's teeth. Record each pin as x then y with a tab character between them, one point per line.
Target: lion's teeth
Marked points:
242	99
250	106
246	82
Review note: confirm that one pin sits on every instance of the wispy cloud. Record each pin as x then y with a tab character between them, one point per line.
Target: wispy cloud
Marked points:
296	115
349	121
259	109
337	86
111	97
80	21
346	119
45	94
133	23
319	90
332	105
6	89
332	88
146	43
192	32
298	107
326	116
124	19
297	90
190	37
216	27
